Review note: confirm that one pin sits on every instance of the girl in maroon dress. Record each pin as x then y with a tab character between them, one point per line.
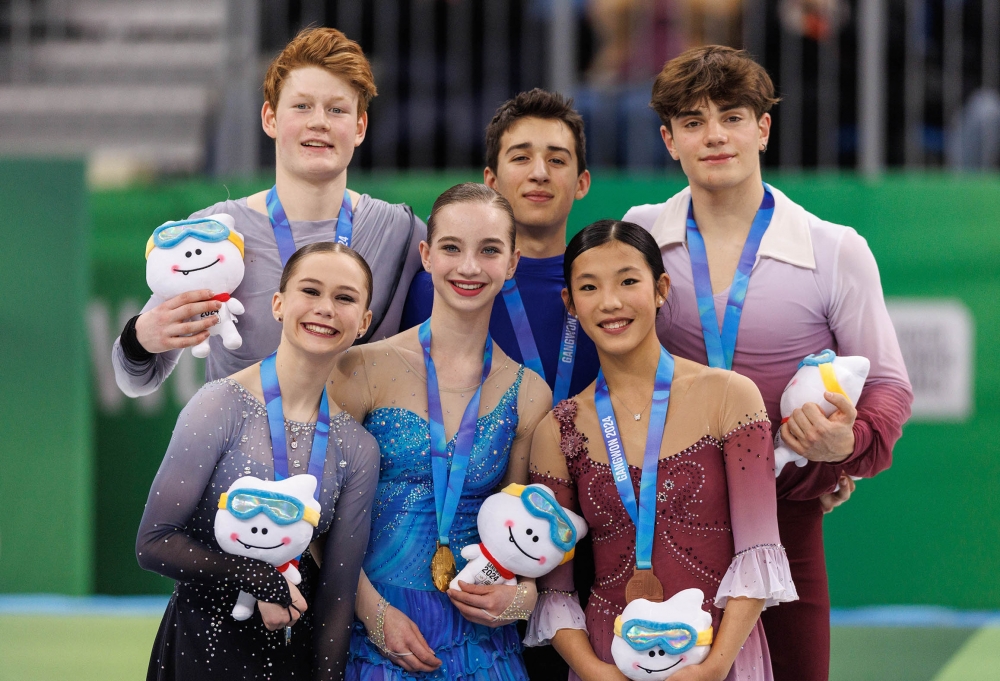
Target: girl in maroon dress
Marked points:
715	525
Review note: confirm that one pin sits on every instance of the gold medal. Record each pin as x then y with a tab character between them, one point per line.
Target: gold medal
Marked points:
644	584
443	568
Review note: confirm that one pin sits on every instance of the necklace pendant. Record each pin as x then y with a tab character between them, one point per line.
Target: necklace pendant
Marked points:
443	568
295	444
637	417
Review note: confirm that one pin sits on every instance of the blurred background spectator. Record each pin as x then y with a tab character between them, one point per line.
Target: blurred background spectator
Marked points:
163	87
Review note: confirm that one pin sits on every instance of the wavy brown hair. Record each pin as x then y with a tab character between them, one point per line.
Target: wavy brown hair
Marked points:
728	77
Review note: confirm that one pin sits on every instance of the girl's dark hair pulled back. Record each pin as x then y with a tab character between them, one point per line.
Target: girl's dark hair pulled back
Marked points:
604	232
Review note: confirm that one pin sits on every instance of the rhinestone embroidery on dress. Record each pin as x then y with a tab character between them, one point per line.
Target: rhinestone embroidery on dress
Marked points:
403	511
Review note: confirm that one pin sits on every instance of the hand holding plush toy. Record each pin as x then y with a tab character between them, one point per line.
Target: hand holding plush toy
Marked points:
522	531
816	375
269	521
653	640
206	253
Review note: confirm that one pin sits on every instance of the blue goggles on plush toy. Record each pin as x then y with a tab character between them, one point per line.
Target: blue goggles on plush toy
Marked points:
674	638
824	357
541	504
281	508
169	234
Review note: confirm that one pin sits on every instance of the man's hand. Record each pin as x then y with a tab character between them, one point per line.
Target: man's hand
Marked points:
277	616
165	327
834	499
809	433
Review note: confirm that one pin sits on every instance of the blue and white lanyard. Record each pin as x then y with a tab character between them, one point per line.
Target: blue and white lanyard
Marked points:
529	351
448	485
721	344
643	517
283	231
276	424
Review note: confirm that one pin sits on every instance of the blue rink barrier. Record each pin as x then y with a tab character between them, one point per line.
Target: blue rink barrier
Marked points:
153	606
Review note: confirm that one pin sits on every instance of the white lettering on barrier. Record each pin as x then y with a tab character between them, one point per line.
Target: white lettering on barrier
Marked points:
102	330
936	337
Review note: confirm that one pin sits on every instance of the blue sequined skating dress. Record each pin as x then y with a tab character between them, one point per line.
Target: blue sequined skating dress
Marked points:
402	543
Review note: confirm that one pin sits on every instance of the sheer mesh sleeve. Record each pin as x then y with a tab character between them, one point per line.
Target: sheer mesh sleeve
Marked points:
558	606
349	385
760	567
206	429
345	550
533	402
138	379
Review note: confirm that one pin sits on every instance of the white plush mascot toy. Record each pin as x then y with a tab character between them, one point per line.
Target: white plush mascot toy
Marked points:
522	531
269	521
195	254
824	372
654	640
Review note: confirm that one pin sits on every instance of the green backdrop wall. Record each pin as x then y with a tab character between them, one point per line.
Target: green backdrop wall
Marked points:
923	532
46	490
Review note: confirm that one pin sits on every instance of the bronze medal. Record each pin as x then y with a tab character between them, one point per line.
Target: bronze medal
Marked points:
644	584
443	568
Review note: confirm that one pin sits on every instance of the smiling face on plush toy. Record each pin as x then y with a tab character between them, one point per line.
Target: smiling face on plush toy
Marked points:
527	531
654	640
269	521
193	254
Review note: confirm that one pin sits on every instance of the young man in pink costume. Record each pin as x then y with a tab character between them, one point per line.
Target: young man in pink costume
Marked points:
812	285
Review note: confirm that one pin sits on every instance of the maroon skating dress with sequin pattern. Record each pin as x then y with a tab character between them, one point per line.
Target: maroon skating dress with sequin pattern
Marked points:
715	531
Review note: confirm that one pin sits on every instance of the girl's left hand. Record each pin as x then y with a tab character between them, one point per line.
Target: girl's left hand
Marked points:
484	604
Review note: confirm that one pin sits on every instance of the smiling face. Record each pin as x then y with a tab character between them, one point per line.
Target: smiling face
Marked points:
657	663
521	541
323	307
470	255
615	297
537	173
259	536
718	148
194	264
316	124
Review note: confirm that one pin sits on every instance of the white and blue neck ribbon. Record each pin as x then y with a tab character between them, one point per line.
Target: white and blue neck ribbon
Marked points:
643	514
283	230
720	345
529	350
448	484
276	425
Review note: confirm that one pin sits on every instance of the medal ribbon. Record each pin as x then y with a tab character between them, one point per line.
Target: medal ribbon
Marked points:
283	231
643	517
276	424
720	345
448	486
529	351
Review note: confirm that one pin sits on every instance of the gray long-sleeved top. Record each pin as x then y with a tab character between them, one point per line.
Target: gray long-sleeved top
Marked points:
386	235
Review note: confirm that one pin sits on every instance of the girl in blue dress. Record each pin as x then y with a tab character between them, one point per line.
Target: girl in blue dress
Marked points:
453	416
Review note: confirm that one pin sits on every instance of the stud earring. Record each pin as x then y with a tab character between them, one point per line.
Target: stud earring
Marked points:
279	319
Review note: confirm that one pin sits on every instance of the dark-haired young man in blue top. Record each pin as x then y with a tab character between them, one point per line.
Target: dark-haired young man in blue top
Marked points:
535	158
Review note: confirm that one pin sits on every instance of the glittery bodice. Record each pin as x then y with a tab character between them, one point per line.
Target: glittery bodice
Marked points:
222	435
404	522
693	545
